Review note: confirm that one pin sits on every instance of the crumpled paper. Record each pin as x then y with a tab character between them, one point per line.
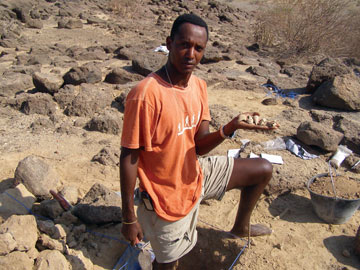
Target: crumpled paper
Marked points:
298	150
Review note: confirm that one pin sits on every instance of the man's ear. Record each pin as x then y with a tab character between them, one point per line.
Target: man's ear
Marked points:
168	43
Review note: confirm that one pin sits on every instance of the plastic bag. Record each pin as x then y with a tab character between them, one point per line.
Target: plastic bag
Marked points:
341	153
277	144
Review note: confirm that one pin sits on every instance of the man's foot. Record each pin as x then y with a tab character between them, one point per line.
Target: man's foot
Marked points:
255	230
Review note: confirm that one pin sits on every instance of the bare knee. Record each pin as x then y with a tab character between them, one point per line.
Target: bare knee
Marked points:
266	169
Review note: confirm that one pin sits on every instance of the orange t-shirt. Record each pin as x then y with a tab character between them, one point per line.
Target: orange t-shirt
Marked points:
164	120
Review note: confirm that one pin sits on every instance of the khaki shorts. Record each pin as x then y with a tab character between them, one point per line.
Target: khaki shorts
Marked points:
172	240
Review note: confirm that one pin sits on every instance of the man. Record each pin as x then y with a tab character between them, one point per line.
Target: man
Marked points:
166	126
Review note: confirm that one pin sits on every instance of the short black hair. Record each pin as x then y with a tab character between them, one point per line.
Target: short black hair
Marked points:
187	18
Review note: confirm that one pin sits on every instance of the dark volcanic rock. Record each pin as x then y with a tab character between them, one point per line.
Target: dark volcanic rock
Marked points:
313	133
351	130
100	205
108	156
341	92
145	64
324	71
121	76
108	122
90	100
40	103
88	73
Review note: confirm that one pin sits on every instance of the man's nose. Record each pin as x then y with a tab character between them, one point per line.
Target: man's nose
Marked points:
190	53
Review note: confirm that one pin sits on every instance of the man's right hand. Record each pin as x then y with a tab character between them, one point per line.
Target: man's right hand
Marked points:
132	232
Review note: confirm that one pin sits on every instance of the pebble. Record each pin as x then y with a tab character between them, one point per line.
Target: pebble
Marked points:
346	253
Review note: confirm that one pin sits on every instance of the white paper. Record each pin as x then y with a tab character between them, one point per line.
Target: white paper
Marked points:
233	153
252	155
273	158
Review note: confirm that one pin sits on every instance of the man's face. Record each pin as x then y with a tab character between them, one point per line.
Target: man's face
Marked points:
187	48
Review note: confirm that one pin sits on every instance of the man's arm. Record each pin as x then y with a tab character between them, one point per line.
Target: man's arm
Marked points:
205	140
128	173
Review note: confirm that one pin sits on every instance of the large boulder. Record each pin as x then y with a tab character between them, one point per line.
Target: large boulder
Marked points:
13	83
39	103
108	122
324	71
17	260
145	64
100	205
66	95
313	133
351	130
121	76
88	73
8	205
23	230
341	92
89	101
37	176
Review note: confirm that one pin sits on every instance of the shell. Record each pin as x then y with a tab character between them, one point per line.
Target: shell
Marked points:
243	117
262	122
272	124
250	120
256	119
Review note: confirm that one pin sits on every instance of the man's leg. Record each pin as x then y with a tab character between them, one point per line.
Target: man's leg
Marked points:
251	176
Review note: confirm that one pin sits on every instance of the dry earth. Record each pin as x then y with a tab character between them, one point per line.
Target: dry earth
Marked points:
300	240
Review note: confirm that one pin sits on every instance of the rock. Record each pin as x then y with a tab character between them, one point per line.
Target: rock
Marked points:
270	101
312	133
51	259
324	71
46	242
88	73
7	244
91	53
50	208
46	226
8	205
351	130
121	99
145	64
66	95
34	23
13	83
121	76
89	101
211	55
350	161
346	253
67	218
48	83
71	194
108	156
100	205
78	260
108	122
25	238
60	232
17	260
39	103
37	176
341	92
70	24
41	123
